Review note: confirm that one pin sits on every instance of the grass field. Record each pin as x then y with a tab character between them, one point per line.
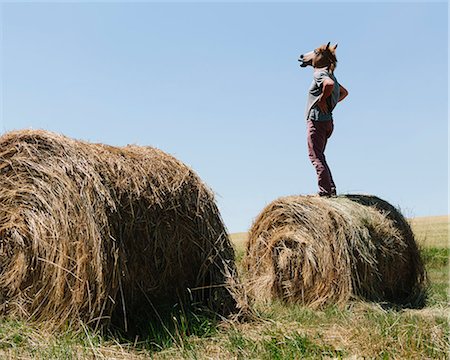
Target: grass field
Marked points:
431	231
279	331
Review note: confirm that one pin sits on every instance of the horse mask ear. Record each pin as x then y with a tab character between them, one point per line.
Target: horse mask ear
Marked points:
335	47
328	45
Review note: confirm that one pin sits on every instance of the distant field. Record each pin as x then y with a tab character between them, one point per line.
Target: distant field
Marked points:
431	231
238	240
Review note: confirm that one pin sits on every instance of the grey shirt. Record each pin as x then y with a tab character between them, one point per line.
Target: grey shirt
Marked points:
312	109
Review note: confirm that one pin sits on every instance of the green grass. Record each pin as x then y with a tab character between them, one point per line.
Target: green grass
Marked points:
279	331
18	339
436	257
279	345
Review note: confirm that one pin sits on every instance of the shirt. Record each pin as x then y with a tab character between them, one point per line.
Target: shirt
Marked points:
312	109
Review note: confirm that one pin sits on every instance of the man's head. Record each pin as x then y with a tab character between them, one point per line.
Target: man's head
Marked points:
323	56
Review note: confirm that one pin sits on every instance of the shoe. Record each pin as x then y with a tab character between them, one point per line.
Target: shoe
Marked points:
328	195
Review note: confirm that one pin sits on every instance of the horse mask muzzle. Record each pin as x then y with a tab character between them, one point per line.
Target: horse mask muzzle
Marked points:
306	59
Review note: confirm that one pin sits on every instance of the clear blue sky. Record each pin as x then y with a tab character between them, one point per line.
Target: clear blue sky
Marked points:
218	85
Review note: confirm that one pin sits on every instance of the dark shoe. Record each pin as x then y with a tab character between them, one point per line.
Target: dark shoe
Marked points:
327	195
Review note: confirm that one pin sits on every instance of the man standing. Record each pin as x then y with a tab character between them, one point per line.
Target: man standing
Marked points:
324	94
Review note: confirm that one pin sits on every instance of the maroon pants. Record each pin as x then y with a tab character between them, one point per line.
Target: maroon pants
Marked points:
318	134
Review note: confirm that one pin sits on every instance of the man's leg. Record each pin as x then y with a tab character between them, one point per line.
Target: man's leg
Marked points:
318	133
333	191
330	129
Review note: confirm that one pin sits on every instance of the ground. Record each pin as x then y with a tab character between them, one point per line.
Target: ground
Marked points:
278	331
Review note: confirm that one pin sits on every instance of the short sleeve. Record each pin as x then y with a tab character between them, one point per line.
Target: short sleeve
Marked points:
320	76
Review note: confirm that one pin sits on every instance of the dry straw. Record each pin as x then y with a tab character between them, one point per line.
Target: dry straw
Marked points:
318	251
105	234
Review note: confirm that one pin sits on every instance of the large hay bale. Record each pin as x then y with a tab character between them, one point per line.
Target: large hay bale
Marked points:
318	251
99	233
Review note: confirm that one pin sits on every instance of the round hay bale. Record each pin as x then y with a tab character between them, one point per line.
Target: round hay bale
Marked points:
106	234
319	251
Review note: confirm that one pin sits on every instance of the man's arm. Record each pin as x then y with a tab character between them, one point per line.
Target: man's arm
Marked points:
327	89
